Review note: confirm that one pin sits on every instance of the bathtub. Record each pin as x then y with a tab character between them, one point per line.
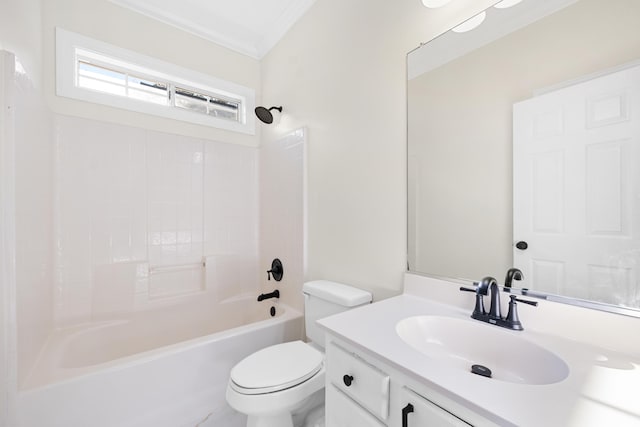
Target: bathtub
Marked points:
162	367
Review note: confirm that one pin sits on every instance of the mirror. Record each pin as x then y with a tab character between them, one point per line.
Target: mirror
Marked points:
526	129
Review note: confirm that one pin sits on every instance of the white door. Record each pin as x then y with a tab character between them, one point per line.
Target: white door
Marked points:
577	189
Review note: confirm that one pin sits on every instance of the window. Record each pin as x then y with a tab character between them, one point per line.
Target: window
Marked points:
90	70
101	78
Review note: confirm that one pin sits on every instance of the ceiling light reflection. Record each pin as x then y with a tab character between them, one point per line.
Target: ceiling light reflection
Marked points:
471	23
506	3
434	3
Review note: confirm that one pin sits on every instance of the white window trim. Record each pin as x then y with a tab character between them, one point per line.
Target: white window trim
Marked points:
67	42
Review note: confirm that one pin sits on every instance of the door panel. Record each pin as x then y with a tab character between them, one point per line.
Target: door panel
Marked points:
577	189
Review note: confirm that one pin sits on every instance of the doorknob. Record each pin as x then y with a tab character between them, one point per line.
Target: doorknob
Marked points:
522	245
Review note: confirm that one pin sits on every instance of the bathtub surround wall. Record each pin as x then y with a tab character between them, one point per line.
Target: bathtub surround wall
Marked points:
29	204
8	371
137	213
27	29
123	213
34	220
141	220
283	214
26	223
29	308
145	218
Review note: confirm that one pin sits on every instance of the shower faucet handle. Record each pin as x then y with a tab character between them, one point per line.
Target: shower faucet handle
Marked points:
276	270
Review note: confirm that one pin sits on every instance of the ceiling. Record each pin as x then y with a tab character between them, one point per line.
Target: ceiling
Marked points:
251	27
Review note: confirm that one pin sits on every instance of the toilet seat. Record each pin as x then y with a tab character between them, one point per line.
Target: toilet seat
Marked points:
276	368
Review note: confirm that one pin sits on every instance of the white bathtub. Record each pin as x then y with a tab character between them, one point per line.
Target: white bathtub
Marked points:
166	367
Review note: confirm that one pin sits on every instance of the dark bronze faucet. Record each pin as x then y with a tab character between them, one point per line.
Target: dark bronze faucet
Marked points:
494	316
274	294
495	310
512	274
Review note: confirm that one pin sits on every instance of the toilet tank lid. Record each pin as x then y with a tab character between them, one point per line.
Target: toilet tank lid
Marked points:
337	293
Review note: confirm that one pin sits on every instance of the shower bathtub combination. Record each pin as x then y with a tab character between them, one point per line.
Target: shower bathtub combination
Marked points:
163	367
110	331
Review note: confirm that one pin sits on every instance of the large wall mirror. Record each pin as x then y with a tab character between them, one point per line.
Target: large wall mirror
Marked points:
524	151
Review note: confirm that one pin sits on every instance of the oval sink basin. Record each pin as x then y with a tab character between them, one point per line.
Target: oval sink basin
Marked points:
460	344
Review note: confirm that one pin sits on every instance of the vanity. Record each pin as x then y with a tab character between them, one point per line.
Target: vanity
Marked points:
406	362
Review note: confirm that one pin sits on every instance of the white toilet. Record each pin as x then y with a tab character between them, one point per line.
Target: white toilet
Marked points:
286	381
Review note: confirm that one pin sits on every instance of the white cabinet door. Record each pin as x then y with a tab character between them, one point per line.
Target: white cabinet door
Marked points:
577	187
418	411
341	411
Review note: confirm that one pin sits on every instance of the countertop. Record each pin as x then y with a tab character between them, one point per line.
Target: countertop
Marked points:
602	387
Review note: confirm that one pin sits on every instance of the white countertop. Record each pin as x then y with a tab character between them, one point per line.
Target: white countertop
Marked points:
602	388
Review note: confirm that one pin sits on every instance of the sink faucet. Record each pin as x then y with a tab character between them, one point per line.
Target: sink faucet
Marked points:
494	309
512	274
489	285
485	284
482	288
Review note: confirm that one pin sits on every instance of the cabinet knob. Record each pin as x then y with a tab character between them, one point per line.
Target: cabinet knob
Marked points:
522	245
348	379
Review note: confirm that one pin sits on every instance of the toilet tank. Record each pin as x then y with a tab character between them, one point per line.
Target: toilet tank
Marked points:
323	298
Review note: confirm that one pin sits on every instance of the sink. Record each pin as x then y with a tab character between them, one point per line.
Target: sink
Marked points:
460	344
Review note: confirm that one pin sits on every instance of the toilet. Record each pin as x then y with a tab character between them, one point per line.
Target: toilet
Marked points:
282	385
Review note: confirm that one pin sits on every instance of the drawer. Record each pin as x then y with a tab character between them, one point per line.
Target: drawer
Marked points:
341	411
361	381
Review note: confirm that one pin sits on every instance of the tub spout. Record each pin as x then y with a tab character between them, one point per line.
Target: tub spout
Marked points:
274	294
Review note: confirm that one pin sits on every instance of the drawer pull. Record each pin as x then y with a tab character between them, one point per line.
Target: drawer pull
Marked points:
405	414
348	379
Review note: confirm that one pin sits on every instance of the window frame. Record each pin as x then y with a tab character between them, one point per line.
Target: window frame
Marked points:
72	47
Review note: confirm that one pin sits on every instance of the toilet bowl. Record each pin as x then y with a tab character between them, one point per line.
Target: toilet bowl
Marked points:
272	383
285	382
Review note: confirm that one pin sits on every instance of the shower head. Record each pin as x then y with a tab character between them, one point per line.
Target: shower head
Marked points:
265	115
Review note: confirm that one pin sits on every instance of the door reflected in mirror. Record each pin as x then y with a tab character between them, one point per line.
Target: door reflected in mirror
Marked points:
525	132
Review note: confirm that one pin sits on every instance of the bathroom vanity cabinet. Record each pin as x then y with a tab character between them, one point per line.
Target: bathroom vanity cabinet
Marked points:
364	391
407	361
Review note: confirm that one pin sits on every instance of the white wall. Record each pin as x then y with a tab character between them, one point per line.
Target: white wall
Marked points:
21	34
340	71
107	22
